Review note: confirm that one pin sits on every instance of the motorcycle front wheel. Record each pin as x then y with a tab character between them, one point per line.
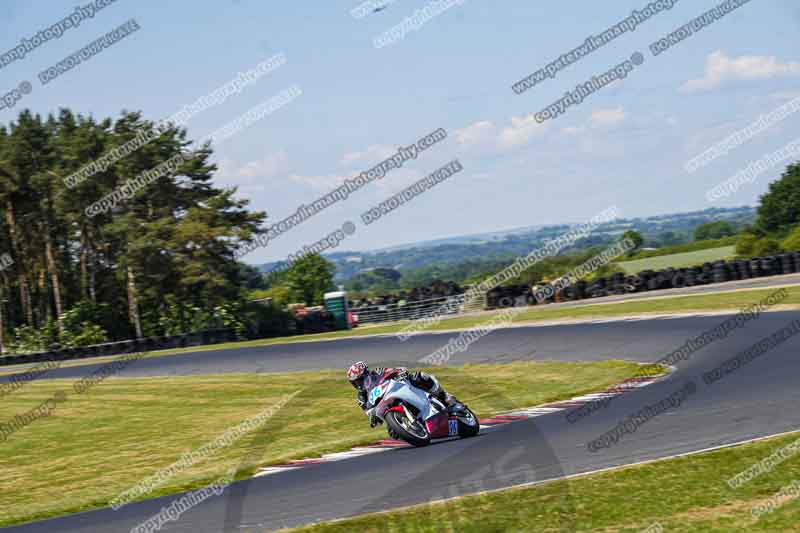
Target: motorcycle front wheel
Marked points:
468	424
414	433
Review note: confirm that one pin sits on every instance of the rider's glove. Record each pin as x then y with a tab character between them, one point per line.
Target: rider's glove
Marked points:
403	374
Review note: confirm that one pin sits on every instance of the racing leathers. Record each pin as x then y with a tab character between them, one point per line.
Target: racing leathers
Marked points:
421	380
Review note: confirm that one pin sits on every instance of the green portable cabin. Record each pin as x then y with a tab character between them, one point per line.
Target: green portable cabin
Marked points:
336	304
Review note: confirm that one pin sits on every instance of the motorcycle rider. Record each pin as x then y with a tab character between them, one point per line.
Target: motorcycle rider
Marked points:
363	379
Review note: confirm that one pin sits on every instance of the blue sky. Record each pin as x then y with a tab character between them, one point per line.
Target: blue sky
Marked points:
625	145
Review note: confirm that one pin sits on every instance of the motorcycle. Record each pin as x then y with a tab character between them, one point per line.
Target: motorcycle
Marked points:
415	416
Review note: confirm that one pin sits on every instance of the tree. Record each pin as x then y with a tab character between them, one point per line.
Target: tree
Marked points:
637	239
309	278
745	246
792	242
669	238
753	243
767	246
714	230
173	240
779	208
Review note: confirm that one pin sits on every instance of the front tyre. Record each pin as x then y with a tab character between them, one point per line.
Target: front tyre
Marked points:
468	424
414	433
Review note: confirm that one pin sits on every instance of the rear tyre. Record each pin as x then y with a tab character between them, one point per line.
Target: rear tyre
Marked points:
415	434
468	424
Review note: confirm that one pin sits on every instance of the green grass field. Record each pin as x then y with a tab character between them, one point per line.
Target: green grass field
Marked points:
732	300
683	495
687	259
101	443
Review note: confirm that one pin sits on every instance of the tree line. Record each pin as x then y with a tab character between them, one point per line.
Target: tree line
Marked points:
160	262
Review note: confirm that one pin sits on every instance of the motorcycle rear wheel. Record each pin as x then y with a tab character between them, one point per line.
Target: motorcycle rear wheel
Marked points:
416	435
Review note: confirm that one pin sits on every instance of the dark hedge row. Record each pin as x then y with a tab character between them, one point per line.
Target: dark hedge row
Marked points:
147	344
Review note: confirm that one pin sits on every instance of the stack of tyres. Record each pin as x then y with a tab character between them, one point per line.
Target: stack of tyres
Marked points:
680	279
720	272
768	266
580	289
568	294
656	282
787	264
597	288
493	298
692	275
669	274
755	267
618	283
733	270
633	283
744	268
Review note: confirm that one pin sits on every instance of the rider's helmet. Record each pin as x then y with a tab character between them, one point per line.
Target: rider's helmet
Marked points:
356	373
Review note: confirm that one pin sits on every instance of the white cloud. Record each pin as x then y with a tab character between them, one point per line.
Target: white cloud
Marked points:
573	130
521	131
720	67
372	155
478	133
322	181
269	167
600	118
606	117
484	134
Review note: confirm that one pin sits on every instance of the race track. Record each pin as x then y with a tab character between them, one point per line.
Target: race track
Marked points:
759	399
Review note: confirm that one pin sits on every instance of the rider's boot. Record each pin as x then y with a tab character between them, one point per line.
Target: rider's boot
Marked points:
450	400
445	397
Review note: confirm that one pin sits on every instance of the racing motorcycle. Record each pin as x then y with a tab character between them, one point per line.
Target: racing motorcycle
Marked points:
415	416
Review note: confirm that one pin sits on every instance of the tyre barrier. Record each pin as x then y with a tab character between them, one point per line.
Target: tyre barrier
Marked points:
146	344
650	280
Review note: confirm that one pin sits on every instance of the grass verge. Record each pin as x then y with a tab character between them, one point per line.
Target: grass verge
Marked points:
96	445
733	300
685	494
679	260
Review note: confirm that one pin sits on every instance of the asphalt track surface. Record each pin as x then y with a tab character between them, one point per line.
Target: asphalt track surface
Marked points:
759	399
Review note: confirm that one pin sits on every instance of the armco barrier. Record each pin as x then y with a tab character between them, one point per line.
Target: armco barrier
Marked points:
145	344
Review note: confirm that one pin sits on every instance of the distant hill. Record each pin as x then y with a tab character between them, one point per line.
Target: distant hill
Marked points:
501	246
